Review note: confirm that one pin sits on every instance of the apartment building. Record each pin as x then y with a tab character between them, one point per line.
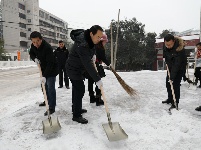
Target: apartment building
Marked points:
18	18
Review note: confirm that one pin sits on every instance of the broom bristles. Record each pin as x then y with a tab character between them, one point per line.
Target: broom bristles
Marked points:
125	86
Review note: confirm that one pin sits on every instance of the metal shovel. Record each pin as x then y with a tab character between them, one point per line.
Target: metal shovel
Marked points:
51	124
113	129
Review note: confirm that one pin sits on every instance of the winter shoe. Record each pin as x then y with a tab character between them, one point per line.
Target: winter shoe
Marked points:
80	120
83	111
60	86
167	101
199	86
189	81
198	108
196	82
173	106
51	111
67	87
99	101
42	104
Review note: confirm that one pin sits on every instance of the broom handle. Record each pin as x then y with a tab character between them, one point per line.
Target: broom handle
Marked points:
44	92
171	87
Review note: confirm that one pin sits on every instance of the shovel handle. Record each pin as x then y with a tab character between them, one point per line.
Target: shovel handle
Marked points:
44	92
172	88
105	103
104	99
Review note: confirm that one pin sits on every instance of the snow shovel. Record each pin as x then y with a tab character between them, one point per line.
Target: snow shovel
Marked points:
51	124
113	129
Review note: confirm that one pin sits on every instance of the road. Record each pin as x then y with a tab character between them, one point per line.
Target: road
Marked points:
18	80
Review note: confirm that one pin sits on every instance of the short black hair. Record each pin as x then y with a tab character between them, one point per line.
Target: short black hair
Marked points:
168	37
35	34
198	44
95	28
60	41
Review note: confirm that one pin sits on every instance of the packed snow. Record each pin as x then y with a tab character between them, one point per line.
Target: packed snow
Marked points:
144	118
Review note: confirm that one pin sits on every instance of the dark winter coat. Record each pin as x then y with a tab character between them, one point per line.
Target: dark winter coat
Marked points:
175	57
46	57
61	56
79	60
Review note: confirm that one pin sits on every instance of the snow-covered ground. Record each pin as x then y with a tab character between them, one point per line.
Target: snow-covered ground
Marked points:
144	118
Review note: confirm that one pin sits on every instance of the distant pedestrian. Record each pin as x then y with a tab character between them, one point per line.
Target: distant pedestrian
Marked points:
61	54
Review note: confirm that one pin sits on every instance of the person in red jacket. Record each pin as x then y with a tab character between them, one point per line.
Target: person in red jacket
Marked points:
100	57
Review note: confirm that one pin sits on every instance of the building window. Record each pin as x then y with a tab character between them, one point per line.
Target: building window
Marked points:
41	14
22	25
29	20
21	15
28	11
23	44
29	29
21	6
22	34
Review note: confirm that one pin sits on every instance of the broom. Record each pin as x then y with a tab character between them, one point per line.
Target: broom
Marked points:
125	86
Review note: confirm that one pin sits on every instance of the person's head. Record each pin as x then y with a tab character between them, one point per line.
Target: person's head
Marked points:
169	41
96	33
61	44
104	39
198	45
36	38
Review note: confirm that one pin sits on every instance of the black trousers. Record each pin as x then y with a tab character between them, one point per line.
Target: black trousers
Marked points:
78	90
90	88
198	73
62	71
176	86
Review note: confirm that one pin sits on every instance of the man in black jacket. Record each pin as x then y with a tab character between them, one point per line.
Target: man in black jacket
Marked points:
175	58
61	54
42	53
79	61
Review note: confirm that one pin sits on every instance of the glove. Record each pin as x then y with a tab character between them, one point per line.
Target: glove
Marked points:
170	81
94	58
42	80
99	84
37	61
107	67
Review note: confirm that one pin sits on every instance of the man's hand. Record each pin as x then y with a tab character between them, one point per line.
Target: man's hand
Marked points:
42	80
99	84
170	81
94	58
37	61
107	67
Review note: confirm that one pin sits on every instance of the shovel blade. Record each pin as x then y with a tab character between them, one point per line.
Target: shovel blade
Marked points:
116	134
51	125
